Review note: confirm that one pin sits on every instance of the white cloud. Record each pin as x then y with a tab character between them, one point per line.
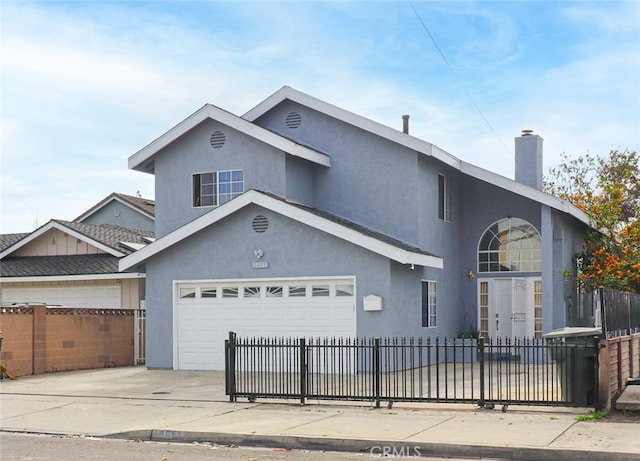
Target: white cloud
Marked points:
99	72
85	85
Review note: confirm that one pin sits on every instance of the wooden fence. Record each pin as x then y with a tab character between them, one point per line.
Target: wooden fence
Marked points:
619	361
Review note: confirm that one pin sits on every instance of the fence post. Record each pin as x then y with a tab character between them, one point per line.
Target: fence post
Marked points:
303	370
481	363
596	375
230	366
376	371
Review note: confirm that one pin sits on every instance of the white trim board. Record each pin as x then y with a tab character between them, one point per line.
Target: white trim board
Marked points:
61	227
373	244
419	145
140	160
71	278
106	202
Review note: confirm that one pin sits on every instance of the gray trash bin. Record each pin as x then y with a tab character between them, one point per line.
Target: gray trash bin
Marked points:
575	365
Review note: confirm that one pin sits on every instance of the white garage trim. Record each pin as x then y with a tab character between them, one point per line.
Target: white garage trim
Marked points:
204	311
86	296
73	278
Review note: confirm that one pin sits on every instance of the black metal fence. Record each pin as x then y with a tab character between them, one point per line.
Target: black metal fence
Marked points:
620	311
484	371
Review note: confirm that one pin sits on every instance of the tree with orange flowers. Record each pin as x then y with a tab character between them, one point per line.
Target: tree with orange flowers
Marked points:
608	190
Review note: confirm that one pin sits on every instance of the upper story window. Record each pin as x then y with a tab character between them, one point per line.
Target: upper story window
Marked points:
444	198
217	187
510	245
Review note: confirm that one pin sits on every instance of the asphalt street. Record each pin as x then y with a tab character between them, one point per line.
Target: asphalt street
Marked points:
34	447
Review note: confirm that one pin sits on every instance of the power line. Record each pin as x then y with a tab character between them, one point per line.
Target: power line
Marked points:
444	58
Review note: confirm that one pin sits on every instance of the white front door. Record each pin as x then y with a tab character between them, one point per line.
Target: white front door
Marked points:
508	305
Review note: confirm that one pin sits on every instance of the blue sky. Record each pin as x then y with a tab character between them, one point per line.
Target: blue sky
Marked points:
86	84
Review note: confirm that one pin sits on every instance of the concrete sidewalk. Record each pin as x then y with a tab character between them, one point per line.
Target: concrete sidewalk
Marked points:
191	406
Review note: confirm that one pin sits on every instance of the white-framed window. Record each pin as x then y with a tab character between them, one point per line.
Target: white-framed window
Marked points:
344	289
429	304
275	291
252	292
444	198
230	292
209	292
217	187
320	290
297	291
510	245
186	293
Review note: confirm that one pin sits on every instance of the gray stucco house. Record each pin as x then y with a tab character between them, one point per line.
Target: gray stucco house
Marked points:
300	218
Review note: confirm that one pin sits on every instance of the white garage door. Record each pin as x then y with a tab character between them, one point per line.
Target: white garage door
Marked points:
205	312
91	296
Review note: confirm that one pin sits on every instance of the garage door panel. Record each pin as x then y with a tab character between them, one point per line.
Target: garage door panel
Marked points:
96	296
204	323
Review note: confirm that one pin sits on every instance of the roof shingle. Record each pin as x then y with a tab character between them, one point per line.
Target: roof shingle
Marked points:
33	266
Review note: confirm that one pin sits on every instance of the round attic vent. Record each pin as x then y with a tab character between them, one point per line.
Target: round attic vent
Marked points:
293	120
260	224
217	139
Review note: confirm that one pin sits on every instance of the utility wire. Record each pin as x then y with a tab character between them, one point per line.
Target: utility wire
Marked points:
444	58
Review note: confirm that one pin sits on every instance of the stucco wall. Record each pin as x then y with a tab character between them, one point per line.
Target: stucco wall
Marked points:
225	251
263	167
372	181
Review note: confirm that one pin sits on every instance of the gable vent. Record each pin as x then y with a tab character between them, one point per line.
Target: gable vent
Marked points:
217	139
293	120
260	224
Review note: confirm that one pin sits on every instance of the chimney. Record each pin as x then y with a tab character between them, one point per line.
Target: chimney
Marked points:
528	168
405	124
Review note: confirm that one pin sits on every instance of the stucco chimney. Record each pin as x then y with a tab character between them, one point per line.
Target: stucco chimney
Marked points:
529	159
405	124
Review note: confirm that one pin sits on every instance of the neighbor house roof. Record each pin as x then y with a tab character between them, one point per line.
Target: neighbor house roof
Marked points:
6	240
413	143
142	205
32	266
106	237
143	159
325	222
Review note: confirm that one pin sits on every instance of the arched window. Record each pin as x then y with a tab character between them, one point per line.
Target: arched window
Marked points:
510	245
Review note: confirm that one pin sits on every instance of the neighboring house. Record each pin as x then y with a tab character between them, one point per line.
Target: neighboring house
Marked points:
303	219
121	210
75	263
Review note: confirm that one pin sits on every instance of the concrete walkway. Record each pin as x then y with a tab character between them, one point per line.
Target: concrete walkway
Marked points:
191	406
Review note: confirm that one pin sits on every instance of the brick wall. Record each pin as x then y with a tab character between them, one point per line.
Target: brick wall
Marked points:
16	324
44	340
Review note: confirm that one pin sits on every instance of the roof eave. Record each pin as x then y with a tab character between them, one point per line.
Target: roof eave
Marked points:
62	278
53	224
143	159
254	197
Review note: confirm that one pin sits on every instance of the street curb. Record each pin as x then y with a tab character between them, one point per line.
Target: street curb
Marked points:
375	448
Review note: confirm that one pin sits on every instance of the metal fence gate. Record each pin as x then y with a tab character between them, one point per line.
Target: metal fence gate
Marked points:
483	371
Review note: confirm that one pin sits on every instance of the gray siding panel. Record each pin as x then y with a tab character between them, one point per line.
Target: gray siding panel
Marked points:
118	214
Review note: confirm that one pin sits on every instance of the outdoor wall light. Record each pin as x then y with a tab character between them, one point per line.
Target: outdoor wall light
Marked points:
470	274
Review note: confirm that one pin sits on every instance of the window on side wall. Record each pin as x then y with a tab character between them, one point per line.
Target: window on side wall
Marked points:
429	304
444	198
217	187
